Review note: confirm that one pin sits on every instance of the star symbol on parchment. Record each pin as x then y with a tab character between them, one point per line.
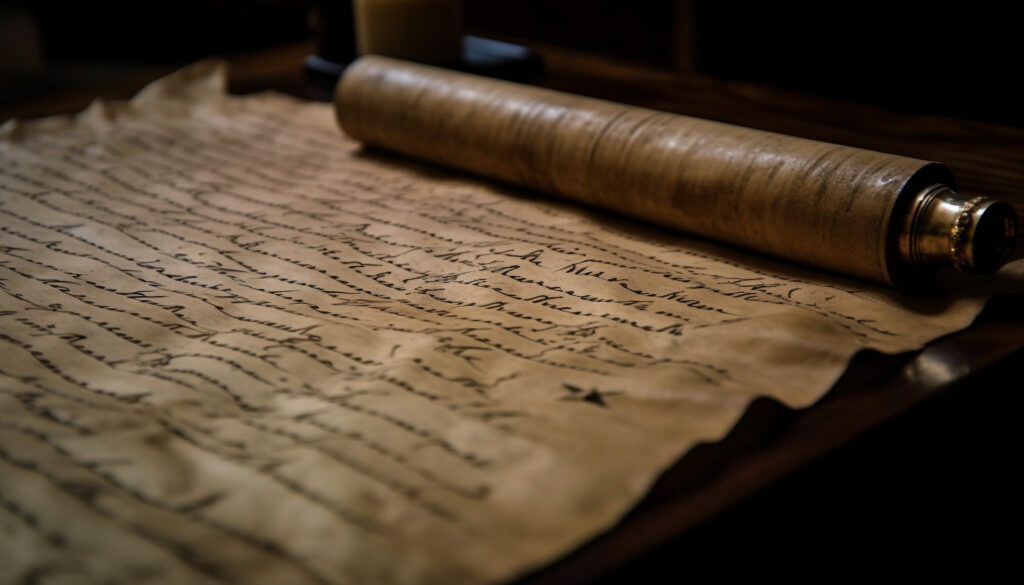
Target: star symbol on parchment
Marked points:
593	396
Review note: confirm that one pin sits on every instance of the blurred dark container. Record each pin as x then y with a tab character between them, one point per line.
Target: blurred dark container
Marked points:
334	29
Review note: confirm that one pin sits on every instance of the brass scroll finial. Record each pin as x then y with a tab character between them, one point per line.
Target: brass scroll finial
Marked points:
973	234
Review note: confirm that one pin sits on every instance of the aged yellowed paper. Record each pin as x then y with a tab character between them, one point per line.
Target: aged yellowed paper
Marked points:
236	348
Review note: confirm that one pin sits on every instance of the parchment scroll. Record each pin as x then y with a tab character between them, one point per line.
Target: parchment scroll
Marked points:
238	349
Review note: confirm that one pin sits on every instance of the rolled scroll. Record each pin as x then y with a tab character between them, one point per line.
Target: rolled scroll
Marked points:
876	216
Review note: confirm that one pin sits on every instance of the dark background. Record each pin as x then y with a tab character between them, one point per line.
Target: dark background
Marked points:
932	496
957	59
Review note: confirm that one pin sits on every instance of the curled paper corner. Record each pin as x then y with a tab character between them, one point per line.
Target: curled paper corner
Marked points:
18	130
177	93
193	83
11	129
100	113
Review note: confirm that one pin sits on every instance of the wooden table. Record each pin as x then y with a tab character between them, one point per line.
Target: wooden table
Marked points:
922	491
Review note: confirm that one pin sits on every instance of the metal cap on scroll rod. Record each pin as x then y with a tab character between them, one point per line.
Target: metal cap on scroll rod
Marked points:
943	227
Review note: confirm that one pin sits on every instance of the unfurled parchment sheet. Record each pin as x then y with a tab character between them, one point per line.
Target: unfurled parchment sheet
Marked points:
234	348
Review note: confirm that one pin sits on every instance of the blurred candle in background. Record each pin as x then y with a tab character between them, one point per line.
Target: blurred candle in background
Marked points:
428	31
